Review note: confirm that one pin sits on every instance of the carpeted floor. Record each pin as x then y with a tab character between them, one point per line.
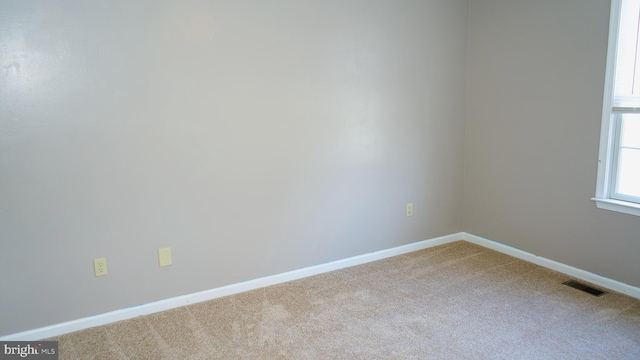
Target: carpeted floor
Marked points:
455	301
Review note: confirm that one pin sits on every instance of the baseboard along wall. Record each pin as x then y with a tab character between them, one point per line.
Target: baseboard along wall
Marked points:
145	309
554	265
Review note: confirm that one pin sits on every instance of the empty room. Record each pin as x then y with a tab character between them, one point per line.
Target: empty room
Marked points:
311	179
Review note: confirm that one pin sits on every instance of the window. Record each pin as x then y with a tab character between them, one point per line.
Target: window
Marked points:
618	187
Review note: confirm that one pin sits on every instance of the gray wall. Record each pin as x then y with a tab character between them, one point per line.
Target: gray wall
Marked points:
536	78
251	137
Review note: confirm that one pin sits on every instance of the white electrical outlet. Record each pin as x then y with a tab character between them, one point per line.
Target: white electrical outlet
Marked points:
410	209
164	256
100	266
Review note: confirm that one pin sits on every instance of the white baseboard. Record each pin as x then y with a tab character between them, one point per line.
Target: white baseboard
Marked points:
145	309
554	265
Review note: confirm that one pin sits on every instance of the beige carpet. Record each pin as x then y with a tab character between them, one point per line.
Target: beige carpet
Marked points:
456	301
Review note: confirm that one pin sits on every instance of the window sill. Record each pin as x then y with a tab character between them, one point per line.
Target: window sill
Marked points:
619	206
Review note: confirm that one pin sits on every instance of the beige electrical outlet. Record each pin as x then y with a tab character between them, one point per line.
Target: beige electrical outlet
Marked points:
410	209
100	266
164	256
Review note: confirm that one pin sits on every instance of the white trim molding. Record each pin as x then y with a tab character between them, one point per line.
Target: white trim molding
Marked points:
150	308
167	304
617	205
554	265
612	108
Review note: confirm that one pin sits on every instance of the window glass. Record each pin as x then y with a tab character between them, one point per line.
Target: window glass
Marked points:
630	130
627	80
629	176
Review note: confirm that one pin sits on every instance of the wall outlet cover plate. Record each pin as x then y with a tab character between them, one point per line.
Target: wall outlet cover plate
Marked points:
100	266
164	256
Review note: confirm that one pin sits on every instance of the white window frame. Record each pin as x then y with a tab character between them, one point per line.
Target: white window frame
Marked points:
609	133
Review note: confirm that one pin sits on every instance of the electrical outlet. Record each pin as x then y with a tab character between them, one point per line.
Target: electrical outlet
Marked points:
100	266
410	209
164	256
